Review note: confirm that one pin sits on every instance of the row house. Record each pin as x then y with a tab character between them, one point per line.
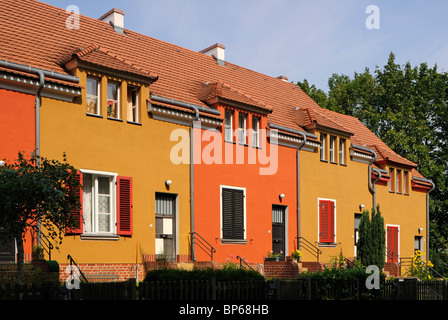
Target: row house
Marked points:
186	156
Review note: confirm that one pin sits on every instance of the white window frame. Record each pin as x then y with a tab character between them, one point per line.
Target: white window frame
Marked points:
242	129
134	109
321	244
97	97
342	143
255	131
244	240
94	205
323	147
118	84
228	126
332	148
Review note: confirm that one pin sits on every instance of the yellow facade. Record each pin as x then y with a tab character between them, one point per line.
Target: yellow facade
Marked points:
347	185
137	150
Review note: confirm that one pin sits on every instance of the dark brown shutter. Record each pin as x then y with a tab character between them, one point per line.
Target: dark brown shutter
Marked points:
232	214
124	205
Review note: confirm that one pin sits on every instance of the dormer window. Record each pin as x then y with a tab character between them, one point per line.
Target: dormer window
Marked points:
255	132
113	98
228	126
341	151
133	107
323	147
92	96
332	148
242	136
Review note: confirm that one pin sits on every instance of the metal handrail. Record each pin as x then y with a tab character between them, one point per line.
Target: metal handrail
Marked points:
307	246
72	262
389	251
242	261
47	246
203	245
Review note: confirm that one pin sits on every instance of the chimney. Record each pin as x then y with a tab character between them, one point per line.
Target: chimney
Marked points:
283	78
217	51
116	19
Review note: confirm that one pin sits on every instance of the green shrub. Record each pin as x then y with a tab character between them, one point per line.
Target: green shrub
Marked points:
342	284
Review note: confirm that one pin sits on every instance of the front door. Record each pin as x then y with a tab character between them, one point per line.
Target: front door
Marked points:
278	230
166	225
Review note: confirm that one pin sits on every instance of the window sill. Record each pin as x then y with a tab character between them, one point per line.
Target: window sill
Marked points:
327	244
343	164
99	236
232	142
326	161
136	123
94	115
234	241
332	162
115	119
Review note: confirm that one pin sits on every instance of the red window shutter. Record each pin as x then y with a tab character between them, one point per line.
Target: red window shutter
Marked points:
392	244
124	205
326	221
77	214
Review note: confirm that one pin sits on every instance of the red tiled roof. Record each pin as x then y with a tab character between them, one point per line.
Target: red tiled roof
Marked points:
105	58
208	91
309	118
35	34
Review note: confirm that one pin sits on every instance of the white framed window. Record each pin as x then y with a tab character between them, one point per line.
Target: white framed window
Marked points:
255	131
99	203
233	214
398	180
113	99
323	147
242	136
392	179
228	126
133	107
92	95
332	148
342	151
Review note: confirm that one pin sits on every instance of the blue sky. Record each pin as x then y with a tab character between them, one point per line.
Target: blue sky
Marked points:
301	39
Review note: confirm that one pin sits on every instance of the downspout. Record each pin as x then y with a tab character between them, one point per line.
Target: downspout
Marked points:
372	189
299	147
196	109
427	212
41	73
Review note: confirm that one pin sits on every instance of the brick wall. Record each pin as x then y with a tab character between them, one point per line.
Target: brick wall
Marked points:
313	266
392	268
281	269
106	271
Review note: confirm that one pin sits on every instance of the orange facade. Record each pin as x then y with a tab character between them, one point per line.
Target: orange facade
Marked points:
17	132
264	175
17	123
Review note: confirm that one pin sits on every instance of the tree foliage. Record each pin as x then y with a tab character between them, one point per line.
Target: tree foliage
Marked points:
371	243
35	191
407	107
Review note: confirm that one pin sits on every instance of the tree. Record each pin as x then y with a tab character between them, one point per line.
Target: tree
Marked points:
371	245
407	108
37	191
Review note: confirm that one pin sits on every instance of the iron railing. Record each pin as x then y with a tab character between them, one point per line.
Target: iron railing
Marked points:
308	246
244	264
80	274
203	244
